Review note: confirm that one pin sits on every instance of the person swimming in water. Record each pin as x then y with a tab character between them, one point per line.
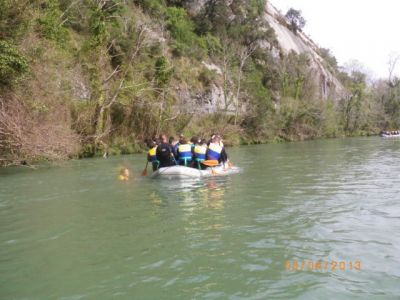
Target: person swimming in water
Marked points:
124	174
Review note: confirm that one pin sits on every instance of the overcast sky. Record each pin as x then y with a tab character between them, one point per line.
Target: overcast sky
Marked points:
365	30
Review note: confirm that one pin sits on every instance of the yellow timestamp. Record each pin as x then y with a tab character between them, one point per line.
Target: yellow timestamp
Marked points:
333	265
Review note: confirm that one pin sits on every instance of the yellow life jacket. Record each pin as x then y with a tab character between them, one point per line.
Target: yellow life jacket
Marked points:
152	154
185	152
200	152
123	177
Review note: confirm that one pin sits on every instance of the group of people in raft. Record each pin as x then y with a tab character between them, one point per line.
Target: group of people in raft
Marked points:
166	152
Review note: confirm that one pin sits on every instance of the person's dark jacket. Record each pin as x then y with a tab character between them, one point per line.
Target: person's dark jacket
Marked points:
164	155
224	156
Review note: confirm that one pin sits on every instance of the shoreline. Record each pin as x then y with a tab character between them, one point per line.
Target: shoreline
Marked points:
36	164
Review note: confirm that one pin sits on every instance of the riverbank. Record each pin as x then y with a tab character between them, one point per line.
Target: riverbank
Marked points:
80	79
126	148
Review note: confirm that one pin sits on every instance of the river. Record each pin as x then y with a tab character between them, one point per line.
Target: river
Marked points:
307	220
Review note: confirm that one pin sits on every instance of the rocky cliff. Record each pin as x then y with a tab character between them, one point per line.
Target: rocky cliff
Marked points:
322	77
329	85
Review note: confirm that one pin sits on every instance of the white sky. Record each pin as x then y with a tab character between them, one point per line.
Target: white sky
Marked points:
364	30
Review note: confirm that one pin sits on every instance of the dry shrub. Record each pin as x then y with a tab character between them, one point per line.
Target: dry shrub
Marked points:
35	119
26	135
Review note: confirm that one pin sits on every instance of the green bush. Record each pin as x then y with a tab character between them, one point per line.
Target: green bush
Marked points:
163	72
153	7
14	19
50	24
329	58
122	145
206	76
213	44
182	30
97	26
87	150
330	120
12	64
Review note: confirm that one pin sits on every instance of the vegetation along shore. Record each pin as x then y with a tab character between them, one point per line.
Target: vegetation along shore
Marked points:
80	78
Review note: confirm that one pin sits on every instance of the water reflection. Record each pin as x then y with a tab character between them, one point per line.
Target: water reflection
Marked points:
213	196
192	194
199	205
155	199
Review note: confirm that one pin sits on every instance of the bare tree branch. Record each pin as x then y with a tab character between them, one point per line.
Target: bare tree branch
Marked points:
392	63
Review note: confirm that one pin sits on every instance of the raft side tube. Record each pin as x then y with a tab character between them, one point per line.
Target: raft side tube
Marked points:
187	172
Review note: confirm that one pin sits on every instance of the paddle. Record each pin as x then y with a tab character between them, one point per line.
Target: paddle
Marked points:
173	158
211	163
144	173
230	165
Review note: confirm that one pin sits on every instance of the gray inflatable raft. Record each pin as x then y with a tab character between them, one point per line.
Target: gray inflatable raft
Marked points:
182	172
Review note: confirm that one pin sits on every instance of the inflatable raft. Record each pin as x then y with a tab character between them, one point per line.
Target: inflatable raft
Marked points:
182	172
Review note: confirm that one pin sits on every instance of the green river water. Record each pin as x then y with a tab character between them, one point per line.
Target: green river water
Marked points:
73	231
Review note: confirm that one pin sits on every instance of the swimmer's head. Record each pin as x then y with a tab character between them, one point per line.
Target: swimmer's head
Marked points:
124	174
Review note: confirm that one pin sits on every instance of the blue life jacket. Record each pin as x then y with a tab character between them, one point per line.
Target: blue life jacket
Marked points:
200	152
214	151
185	153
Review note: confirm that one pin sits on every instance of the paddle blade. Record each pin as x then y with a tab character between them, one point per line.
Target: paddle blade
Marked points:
144	173
210	163
213	172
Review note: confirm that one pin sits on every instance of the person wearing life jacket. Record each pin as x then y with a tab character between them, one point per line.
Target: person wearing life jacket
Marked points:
193	141
184	152
164	153
199	153
152	156
174	145
216	150
224	155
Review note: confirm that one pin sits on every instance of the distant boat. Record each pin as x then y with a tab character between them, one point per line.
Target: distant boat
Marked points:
389	135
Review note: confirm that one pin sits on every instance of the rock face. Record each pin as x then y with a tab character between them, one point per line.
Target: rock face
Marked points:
208	101
326	84
194	6
329	85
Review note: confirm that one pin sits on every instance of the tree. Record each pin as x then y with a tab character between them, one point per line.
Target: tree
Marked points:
296	20
327	55
391	95
392	63
162	77
355	106
244	54
110	94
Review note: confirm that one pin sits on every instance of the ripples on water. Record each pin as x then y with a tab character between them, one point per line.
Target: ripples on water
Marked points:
74	232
